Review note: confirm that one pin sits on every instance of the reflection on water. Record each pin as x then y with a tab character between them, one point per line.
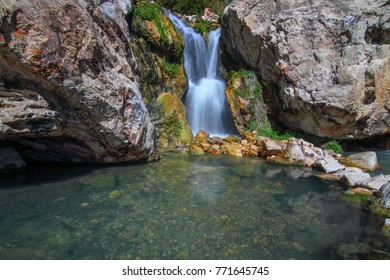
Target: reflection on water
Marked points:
184	208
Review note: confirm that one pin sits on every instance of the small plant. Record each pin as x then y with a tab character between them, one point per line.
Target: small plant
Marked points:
152	12
333	145
146	10
272	133
204	26
172	69
253	125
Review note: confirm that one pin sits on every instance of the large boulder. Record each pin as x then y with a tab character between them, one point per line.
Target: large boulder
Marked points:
174	129
68	92
324	65
367	161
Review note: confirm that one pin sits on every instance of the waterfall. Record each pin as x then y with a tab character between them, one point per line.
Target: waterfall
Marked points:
206	105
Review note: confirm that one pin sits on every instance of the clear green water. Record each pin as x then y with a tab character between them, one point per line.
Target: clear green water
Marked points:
183	207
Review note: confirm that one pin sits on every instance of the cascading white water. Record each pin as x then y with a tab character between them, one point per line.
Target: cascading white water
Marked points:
206	105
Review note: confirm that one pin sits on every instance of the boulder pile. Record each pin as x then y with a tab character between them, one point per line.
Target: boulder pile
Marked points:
351	170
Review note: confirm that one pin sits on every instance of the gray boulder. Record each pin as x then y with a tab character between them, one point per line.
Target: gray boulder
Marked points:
366	161
324	65
68	89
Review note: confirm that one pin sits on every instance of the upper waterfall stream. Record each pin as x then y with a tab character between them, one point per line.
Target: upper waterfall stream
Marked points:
207	108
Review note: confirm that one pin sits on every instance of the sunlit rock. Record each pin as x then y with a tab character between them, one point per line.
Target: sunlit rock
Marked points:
374	183
366	161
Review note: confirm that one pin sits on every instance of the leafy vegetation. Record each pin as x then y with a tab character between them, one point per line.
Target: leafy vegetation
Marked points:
333	145
268	131
146	10
152	12
204	26
172	69
163	40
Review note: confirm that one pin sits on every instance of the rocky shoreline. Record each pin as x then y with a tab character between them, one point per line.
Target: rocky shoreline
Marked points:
352	171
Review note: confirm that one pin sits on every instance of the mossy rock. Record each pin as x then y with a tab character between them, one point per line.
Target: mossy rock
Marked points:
244	95
152	24
175	130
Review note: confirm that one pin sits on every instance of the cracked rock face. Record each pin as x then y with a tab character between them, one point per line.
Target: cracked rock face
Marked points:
67	89
324	65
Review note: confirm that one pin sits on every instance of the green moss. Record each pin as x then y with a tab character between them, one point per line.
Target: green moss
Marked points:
268	131
172	125
172	69
151	23
152	12
333	145
205	26
253	125
146	10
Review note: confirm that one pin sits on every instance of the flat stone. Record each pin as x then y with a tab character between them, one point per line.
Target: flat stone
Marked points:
362	191
387	178
195	150
366	161
232	149
271	147
293	153
10	161
330	167
374	183
329	176
311	155
352	176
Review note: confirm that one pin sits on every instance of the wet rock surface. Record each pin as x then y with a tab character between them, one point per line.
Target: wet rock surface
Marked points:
10	161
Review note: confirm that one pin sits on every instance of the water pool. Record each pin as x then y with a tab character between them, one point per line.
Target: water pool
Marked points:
184	207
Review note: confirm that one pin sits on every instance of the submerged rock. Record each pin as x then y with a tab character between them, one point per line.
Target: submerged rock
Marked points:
10	161
75	62
366	161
